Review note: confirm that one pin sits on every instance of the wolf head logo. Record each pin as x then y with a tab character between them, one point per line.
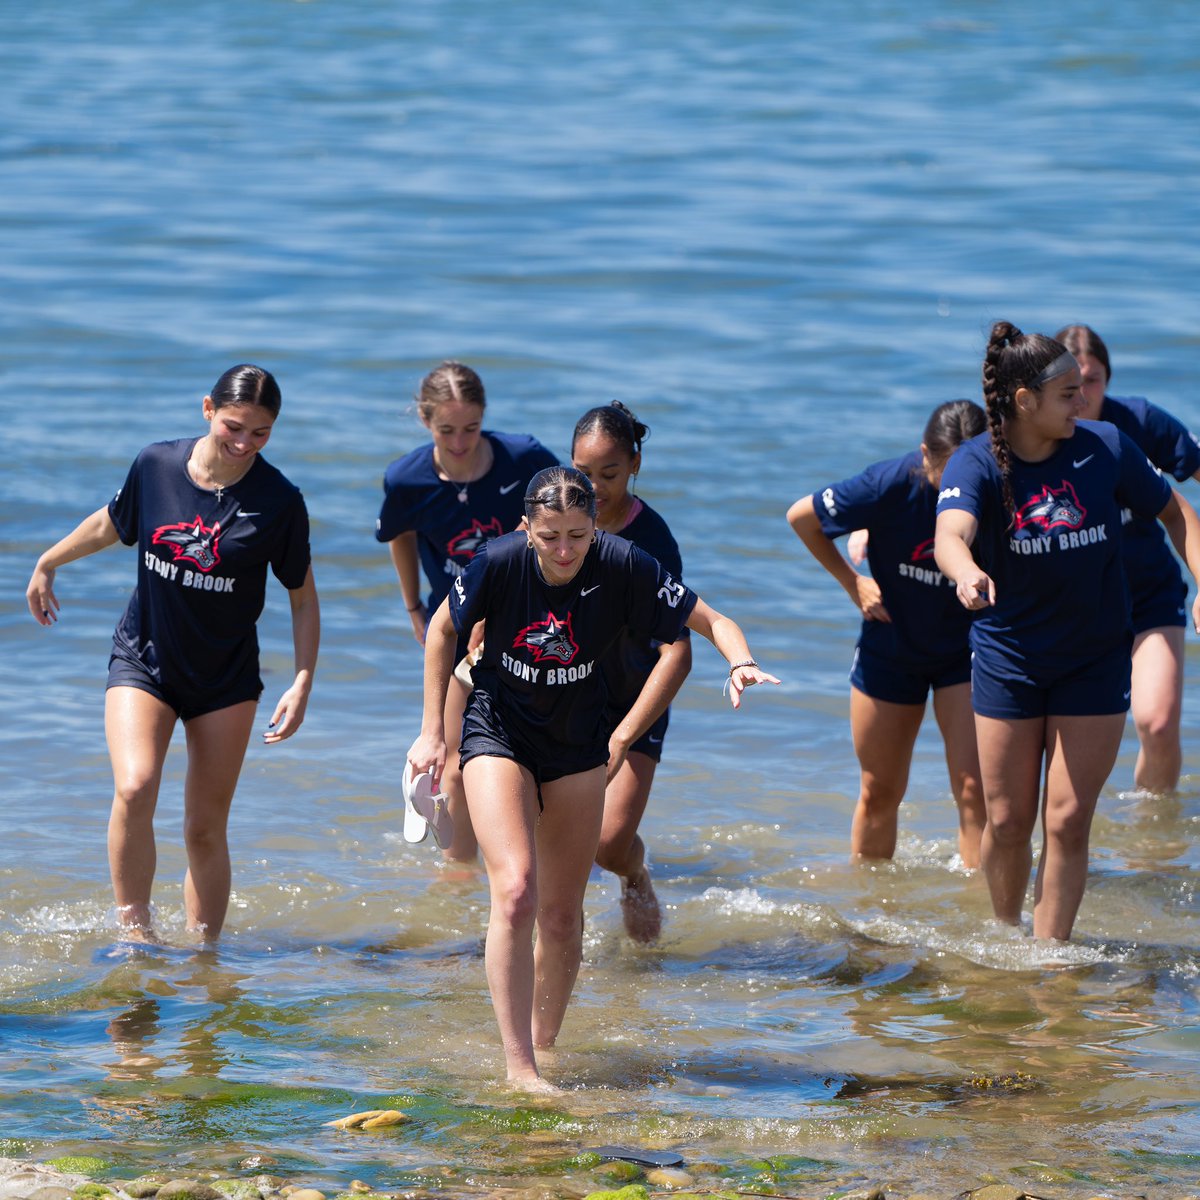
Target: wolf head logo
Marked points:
191	540
1051	507
550	638
468	543
922	551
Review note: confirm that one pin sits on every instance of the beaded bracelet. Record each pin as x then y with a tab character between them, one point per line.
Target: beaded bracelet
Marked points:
748	663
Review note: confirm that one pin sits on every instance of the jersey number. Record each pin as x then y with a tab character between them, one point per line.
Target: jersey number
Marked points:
671	592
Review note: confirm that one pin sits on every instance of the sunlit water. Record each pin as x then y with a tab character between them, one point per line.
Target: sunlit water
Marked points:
779	233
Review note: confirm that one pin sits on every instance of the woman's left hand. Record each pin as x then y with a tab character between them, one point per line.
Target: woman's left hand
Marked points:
618	751
741	678
288	715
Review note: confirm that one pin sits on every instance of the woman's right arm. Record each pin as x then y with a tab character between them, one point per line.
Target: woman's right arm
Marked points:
403	549
428	752
91	534
956	529
862	589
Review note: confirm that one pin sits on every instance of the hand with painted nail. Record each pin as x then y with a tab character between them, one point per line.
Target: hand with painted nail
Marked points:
289	712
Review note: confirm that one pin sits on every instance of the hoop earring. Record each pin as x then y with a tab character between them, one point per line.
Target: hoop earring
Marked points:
633	485
529	543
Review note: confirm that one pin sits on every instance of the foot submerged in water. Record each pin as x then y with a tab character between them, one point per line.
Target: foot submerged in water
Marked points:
639	908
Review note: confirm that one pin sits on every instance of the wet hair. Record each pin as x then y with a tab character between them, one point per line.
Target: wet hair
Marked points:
950	425
1083	339
247	384
614	421
1013	360
449	381
559	489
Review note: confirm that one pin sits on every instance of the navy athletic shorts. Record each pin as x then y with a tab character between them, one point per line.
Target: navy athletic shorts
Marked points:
486	733
128	672
1164	605
897	683
1093	689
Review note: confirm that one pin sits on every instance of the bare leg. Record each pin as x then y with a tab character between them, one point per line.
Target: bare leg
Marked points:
1010	762
138	728
216	747
884	734
952	708
503	802
1158	707
567	836
1080	754
622	850
464	846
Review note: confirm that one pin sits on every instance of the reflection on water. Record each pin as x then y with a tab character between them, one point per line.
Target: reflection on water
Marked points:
779	238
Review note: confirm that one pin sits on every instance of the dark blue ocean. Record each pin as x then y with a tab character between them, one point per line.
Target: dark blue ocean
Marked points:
777	231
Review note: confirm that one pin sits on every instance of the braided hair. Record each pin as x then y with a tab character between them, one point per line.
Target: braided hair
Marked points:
1013	360
614	421
560	489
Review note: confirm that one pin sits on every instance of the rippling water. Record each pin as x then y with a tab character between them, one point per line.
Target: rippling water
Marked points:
779	233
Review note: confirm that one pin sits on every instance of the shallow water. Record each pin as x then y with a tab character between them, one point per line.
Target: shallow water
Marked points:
780	238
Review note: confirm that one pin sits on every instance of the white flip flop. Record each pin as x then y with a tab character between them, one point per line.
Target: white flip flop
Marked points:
433	809
415	826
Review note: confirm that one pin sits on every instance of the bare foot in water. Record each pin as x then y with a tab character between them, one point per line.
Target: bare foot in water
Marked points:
639	908
534	1085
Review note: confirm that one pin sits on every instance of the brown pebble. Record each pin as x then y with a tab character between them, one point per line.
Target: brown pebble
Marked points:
357	1185
139	1189
997	1191
669	1177
307	1194
50	1191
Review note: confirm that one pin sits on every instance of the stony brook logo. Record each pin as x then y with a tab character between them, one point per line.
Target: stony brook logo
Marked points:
1051	508
468	543
191	541
922	551
548	639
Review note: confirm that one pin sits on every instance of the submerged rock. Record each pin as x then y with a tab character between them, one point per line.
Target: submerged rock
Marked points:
188	1189
669	1177
997	1191
635	1191
139	1189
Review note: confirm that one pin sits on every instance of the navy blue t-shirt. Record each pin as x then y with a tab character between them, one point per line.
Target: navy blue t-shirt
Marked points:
1061	599
451	531
896	504
1169	445
628	664
544	644
202	566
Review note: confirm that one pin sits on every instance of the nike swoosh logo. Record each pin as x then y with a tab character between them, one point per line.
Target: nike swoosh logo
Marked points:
654	741
1081	462
246	514
1126	695
505	490
588	591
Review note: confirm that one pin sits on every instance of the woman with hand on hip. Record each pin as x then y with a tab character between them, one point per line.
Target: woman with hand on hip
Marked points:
1029	528
209	515
1158	593
642	677
442	503
914	631
535	739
